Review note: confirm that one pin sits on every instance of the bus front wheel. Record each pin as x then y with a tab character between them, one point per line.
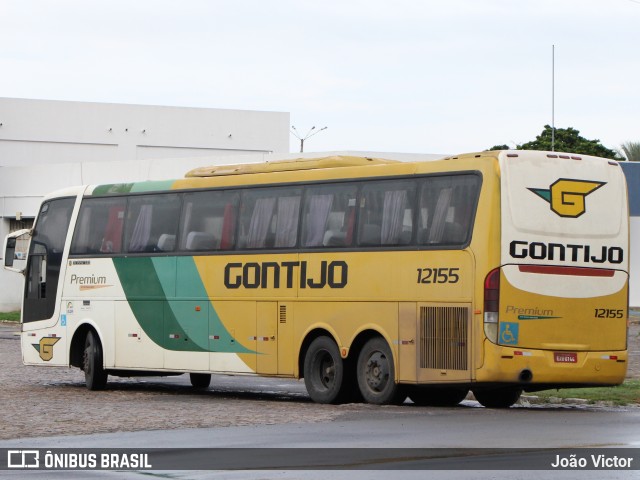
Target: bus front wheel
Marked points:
94	375
501	397
376	374
324	371
200	381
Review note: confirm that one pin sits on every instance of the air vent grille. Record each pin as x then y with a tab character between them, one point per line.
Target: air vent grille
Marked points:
444	337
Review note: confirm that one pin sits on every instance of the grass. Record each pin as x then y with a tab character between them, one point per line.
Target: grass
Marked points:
10	317
627	393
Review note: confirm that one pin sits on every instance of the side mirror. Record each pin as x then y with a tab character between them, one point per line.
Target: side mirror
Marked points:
9	252
10	247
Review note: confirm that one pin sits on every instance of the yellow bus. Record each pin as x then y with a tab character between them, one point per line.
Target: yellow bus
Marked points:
374	280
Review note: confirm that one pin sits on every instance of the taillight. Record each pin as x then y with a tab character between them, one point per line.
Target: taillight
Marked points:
492	304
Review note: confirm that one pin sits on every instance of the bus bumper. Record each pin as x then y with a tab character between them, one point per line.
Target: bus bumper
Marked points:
552	368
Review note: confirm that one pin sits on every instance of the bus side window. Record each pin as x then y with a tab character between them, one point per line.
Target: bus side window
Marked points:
152	223
446	209
329	216
99	226
269	218
386	213
208	221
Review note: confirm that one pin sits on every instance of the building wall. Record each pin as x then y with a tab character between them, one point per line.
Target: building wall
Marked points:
632	173
47	145
47	131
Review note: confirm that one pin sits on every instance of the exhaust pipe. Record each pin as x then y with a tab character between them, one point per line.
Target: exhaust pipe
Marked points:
525	376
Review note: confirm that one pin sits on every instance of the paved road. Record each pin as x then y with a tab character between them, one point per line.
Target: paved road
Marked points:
402	427
41	402
50	407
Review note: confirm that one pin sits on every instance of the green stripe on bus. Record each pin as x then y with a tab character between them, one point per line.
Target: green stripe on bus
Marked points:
152	186
112	189
188	280
173	324
138	187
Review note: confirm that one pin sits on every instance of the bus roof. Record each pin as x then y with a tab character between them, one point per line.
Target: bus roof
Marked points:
328	167
335	161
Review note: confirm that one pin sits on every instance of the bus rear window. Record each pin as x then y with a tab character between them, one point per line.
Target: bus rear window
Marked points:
446	209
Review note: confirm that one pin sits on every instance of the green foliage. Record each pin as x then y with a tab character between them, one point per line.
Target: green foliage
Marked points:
569	140
627	393
566	140
9	316
631	151
498	147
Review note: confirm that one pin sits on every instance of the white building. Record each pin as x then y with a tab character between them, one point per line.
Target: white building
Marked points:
47	145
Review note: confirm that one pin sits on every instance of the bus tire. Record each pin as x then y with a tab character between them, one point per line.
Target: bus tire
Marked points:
94	374
324	371
376	374
200	381
437	397
501	397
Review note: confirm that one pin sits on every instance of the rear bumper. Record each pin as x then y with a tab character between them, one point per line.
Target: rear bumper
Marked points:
542	367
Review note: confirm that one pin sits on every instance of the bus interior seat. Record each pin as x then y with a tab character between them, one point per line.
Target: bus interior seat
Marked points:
334	239
405	236
370	234
453	233
334	236
166	242
200	241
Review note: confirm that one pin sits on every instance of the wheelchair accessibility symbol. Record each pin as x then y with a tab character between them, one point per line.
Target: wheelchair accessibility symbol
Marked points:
508	333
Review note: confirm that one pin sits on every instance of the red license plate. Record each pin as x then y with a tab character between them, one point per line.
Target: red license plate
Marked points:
565	357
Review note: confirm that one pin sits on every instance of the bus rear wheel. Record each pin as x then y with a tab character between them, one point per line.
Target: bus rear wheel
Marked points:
437	397
324	371
376	374
200	381
501	397
94	374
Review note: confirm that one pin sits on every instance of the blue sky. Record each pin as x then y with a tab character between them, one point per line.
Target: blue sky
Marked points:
404	76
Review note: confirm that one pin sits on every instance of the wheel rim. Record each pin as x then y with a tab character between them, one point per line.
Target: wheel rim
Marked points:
326	369
377	372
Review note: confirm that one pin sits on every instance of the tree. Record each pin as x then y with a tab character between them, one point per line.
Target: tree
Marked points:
499	147
567	140
631	151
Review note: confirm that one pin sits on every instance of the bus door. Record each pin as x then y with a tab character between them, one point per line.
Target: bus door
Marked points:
274	338
45	259
267	337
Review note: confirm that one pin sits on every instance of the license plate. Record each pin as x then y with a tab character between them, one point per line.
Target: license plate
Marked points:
565	357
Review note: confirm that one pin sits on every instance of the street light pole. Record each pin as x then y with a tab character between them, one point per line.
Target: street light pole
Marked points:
553	98
312	131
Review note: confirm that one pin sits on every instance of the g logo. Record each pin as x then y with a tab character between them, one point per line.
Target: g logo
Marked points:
45	347
567	197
